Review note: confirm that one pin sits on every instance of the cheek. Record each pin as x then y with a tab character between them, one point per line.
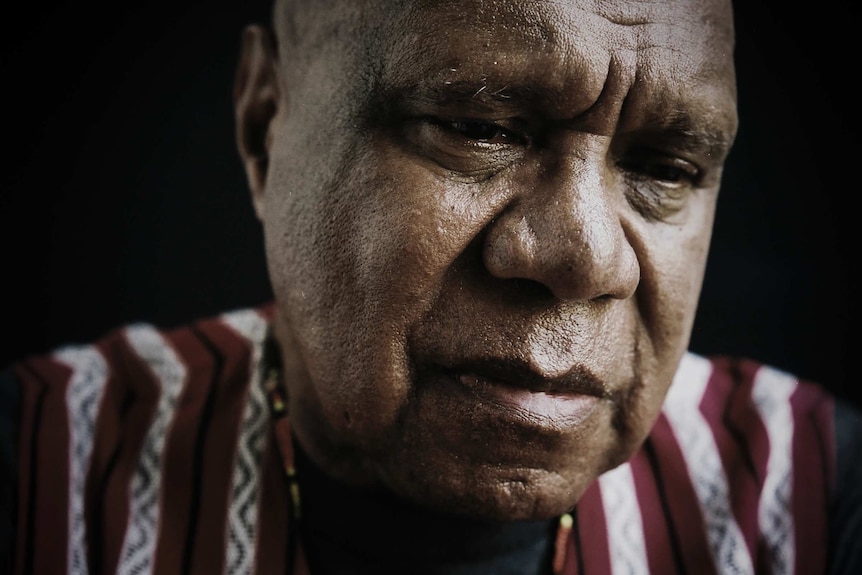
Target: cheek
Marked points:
407	226
673	259
356	267
689	265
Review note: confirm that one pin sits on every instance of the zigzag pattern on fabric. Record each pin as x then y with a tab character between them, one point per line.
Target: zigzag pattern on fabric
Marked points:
713	489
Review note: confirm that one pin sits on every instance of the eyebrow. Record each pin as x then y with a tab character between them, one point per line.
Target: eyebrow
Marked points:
708	136
476	93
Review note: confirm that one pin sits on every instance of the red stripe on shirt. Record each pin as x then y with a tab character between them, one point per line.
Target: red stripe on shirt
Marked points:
220	442
744	419
657	539
267	311
686	521
181	473
127	407
813	475
593	549
727	398
43	523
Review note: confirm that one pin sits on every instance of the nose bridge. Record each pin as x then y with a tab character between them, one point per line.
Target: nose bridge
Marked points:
566	233
576	219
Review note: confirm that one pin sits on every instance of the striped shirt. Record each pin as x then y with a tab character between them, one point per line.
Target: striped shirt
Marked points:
154	451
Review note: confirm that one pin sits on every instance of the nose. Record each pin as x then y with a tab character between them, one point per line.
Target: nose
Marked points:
566	233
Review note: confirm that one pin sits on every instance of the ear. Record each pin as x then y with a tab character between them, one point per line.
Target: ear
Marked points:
256	100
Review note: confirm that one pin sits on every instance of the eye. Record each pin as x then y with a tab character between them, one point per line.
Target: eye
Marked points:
660	185
479	131
673	172
467	149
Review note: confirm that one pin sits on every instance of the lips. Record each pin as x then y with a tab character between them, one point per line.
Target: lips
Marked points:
578	380
515	389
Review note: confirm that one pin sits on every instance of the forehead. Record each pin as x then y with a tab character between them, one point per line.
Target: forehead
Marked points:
532	26
566	48
538	25
565	56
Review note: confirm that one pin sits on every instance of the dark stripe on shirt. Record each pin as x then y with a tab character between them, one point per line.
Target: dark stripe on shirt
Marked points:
673	534
206	417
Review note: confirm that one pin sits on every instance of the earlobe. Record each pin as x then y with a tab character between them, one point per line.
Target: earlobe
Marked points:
256	100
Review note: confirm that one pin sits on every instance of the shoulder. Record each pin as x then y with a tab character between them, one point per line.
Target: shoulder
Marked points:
759	446
763	412
791	436
116	418
752	393
139	369
142	357
760	420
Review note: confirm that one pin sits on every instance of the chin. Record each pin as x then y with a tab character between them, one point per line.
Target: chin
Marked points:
515	501
493	493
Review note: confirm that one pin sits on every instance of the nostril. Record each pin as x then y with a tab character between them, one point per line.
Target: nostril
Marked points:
521	293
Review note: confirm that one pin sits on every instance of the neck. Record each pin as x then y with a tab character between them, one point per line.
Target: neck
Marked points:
344	525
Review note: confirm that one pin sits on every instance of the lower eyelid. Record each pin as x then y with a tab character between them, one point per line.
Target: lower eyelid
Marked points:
658	204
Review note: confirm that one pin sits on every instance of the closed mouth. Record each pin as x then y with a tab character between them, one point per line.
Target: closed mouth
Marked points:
515	391
577	381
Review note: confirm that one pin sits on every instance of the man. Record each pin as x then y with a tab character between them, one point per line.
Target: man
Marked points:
486	226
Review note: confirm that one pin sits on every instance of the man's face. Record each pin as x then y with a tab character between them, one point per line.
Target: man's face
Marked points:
486	224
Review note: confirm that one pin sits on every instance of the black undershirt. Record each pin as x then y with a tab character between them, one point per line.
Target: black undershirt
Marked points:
347	531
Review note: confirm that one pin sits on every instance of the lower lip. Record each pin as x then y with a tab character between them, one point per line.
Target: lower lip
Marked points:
557	409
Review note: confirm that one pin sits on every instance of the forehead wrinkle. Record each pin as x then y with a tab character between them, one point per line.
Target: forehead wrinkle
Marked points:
698	98
542	48
610	10
706	25
493	18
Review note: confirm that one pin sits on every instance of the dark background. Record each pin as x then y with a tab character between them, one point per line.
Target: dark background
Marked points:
122	197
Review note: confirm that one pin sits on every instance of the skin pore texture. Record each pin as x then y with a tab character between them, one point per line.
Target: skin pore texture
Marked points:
486	225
